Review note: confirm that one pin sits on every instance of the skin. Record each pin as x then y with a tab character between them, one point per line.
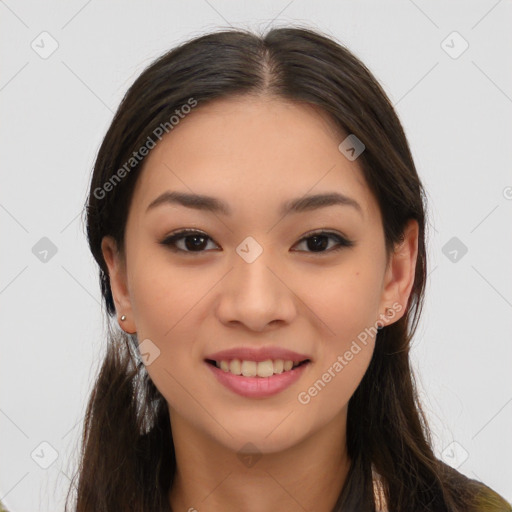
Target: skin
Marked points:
255	153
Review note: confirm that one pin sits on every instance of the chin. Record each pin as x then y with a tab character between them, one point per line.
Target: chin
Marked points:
263	437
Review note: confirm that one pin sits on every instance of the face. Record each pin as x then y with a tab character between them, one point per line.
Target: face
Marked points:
254	278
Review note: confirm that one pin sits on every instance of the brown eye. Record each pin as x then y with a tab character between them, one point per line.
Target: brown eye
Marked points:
193	241
319	242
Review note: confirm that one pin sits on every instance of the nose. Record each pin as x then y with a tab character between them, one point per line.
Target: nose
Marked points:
256	294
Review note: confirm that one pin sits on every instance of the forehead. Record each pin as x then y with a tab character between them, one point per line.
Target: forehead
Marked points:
258	147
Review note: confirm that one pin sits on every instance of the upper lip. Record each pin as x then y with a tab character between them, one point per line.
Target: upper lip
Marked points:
257	354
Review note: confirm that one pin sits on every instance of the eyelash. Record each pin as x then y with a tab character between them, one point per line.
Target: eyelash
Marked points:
171	240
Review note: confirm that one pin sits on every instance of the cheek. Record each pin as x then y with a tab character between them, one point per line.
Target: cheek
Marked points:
163	294
168	307
346	300
335	380
347	304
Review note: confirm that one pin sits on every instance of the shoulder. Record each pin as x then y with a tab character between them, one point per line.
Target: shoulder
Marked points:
473	494
487	500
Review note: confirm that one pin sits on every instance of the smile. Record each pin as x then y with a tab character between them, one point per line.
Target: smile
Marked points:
262	369
255	381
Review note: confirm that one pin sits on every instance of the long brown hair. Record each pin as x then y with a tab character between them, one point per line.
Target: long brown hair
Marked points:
127	459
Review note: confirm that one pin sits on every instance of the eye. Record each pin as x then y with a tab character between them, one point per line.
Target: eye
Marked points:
318	241
196	241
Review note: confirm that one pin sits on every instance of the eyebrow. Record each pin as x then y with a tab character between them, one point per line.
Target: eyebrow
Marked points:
214	205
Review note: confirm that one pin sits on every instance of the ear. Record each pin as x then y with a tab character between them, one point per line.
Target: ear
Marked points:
399	277
118	283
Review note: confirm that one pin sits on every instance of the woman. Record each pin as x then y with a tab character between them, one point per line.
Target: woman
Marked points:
260	231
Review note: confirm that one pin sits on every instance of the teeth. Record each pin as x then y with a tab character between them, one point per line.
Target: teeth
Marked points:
278	366
235	367
252	368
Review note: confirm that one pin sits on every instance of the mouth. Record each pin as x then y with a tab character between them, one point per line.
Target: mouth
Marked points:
257	379
262	369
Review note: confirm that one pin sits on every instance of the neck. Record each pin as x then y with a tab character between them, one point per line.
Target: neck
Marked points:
211	477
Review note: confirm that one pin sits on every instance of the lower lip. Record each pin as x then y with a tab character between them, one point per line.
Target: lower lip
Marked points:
258	387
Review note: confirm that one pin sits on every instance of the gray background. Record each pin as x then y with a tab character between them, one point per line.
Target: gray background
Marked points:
456	111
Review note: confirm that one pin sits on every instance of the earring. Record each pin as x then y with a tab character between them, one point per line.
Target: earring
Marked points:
123	318
387	313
